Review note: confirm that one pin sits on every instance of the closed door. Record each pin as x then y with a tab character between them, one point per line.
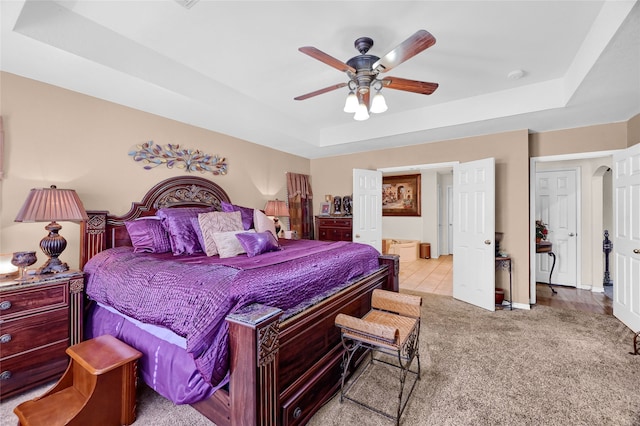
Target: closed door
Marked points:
556	206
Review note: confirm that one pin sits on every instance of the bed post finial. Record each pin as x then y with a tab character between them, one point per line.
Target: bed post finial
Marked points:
92	235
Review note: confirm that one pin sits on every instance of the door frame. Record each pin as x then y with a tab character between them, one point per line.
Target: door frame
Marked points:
532	209
435	246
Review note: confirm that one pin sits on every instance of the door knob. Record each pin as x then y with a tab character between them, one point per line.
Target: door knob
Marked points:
357	235
636	251
571	234
487	242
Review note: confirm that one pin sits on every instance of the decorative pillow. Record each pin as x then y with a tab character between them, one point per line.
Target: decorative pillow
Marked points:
255	243
262	223
210	223
227	243
196	226
246	212
182	234
148	235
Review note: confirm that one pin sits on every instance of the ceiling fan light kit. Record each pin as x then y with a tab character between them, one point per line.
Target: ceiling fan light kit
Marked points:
361	113
351	104
363	72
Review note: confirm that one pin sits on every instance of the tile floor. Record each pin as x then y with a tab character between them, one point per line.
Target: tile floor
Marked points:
428	275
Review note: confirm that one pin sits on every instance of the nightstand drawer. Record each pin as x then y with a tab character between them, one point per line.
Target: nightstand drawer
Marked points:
31	300
34	368
24	334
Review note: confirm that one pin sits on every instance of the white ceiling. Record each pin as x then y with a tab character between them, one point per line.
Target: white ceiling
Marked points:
234	66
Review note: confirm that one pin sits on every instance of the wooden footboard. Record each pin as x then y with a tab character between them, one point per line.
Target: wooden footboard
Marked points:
282	371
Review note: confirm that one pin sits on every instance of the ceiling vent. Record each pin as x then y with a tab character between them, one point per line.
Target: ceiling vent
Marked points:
187	4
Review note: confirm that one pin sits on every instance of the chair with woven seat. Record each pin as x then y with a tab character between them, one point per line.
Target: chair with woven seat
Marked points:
391	327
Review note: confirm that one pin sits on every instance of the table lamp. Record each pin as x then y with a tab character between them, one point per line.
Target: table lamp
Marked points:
276	208
50	205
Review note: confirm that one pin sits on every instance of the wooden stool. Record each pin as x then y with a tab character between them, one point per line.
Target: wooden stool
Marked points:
393	327
98	388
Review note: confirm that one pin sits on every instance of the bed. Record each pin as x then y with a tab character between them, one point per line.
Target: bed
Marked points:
282	364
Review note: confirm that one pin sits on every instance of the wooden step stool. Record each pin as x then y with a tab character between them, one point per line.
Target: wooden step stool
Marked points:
98	388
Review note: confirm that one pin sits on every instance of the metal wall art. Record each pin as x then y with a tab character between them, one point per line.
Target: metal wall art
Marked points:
190	160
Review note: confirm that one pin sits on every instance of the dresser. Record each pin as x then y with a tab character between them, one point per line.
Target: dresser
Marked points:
39	320
334	228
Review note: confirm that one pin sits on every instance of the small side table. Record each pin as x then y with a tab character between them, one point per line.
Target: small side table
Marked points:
504	263
547	247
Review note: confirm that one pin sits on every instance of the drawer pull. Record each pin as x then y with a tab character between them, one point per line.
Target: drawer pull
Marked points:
297	413
5	375
5	338
4	305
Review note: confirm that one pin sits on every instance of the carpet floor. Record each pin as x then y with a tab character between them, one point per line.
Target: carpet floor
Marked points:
545	366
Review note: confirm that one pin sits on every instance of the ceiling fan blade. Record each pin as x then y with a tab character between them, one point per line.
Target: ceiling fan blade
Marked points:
409	85
319	92
327	59
415	44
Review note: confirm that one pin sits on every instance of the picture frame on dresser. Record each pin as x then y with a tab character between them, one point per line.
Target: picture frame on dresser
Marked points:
401	195
325	209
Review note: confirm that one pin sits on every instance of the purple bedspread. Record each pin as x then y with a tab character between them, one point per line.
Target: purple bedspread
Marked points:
192	295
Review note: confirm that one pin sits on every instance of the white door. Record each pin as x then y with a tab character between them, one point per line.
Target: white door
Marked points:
626	238
367	207
449	220
556	205
474	233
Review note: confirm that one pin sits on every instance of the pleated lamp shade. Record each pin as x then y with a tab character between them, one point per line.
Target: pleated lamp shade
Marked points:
51	205
276	208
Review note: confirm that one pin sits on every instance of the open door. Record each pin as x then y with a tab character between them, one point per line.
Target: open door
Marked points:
626	238
474	233
367	207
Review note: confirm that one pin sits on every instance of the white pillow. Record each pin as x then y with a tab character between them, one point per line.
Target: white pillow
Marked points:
262	223
213	222
227	243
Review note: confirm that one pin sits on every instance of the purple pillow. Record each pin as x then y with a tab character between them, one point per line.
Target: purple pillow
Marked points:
148	235
245	212
255	243
179	224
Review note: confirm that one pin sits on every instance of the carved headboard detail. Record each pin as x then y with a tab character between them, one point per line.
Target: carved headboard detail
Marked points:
103	231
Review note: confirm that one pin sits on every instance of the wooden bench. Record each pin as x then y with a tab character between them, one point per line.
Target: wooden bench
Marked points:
99	387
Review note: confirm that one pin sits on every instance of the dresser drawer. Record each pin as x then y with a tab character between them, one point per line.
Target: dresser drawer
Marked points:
36	367
32	300
23	334
334	223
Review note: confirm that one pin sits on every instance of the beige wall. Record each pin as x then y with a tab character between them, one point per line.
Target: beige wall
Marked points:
602	137
633	131
56	136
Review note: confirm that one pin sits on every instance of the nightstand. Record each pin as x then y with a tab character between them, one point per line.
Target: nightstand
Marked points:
39	320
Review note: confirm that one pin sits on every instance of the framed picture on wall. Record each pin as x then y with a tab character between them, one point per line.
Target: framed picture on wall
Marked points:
401	195
325	209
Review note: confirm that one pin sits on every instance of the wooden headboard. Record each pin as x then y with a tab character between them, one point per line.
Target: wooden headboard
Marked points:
103	231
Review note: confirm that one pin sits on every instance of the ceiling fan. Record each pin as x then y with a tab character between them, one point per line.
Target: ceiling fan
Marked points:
363	72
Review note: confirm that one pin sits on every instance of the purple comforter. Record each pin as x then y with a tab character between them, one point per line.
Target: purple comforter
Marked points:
192	295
